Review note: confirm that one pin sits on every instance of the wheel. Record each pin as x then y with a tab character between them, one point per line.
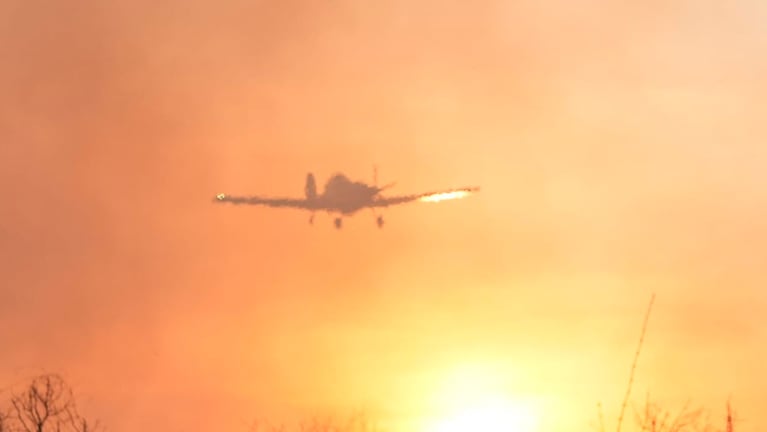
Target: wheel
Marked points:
338	221
380	221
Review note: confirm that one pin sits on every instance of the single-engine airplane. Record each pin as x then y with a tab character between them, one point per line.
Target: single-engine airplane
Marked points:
345	197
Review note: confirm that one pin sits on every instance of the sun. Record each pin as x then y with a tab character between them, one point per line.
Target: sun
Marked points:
472	400
494	414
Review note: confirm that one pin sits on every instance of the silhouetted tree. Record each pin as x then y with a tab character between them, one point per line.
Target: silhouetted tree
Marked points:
3	421
653	418
46	405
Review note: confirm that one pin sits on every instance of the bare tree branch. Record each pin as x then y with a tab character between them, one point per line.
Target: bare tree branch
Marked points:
47	405
634	363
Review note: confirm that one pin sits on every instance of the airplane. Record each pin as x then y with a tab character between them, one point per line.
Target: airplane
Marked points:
345	197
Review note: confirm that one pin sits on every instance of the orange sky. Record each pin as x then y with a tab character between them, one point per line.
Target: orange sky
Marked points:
619	149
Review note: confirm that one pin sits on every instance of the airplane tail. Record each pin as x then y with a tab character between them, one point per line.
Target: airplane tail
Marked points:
311	187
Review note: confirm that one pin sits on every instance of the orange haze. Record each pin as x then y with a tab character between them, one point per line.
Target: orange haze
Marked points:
620	150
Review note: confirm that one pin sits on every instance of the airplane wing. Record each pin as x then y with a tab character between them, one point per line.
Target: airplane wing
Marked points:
269	202
434	196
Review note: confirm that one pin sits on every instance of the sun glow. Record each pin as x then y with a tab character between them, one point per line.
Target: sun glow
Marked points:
494	414
473	400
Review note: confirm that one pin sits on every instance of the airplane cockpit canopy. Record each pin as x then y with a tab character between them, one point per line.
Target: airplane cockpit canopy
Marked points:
337	179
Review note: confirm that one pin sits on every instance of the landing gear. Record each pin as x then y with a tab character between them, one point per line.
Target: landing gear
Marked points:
338	222
379	218
311	219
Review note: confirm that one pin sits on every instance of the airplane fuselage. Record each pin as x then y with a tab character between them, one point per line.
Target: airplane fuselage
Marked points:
343	195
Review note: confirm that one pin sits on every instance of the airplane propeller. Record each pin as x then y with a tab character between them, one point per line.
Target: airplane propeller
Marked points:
375	181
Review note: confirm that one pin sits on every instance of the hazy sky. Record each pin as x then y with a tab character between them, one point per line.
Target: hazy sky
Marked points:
620	150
